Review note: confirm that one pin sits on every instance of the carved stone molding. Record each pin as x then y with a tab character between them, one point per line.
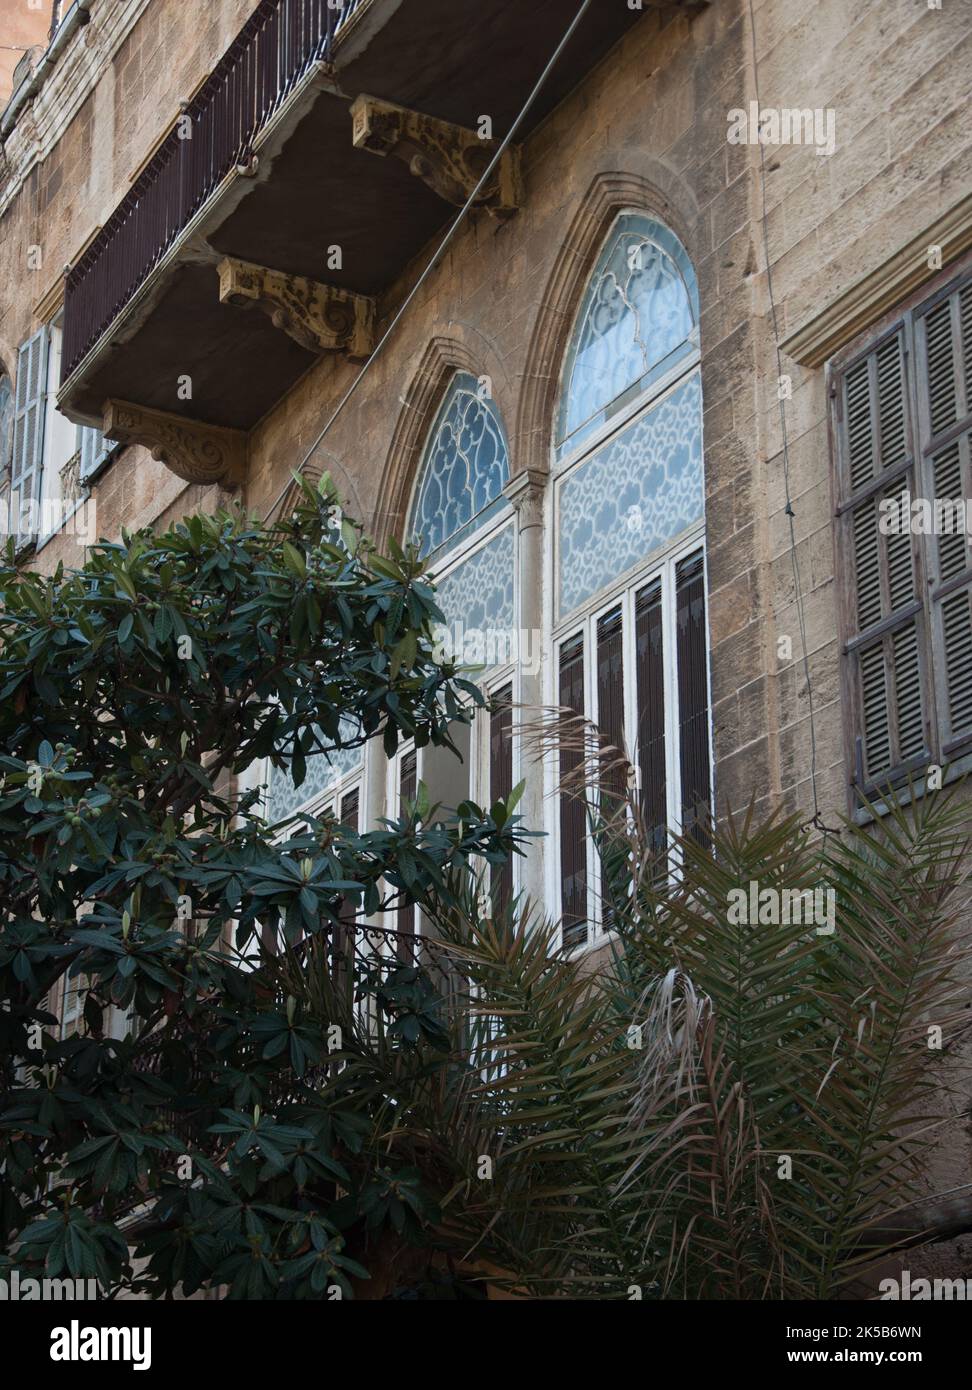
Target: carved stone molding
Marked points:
864	302
665	196
321	318
442	357
192	450
450	159
526	491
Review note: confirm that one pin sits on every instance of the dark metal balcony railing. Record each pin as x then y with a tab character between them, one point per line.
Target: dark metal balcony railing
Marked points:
279	43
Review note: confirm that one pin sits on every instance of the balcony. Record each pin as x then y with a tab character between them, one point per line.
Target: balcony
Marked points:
327	148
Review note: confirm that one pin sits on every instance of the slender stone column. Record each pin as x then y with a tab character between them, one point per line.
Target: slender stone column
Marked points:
526	494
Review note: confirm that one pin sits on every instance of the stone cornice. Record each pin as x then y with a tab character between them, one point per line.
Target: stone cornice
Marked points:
867	299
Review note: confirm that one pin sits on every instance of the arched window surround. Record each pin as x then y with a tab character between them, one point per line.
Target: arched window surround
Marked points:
661	572
474	564
467	416
576	429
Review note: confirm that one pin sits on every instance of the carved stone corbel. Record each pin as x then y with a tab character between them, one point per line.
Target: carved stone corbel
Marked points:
192	450
321	318
450	159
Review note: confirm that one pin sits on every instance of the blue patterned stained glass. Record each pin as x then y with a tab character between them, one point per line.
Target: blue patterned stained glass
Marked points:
638	491
476	599
637	320
323	771
479	592
464	469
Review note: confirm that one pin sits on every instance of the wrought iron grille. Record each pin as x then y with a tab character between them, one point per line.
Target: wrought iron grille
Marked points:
280	42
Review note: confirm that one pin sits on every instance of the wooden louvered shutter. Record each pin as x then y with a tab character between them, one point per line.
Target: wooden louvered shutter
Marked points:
30	405
6	421
887	645
944	336
501	784
407	788
573	839
650	672
693	695
610	704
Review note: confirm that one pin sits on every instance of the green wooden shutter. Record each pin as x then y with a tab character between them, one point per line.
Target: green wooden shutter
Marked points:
887	646
945	407
30	404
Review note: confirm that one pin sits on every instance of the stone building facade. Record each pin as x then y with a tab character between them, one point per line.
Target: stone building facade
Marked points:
809	353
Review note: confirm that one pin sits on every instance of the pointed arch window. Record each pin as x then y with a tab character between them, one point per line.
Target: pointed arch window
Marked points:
465	527
628	585
638	320
465	466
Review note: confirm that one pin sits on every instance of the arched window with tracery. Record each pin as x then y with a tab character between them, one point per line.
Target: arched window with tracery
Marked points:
628	581
465	527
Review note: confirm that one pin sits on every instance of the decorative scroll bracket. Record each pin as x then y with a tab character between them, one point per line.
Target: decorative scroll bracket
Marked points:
192	450
319	317
450	159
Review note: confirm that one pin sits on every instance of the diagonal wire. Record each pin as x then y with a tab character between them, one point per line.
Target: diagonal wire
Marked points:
801	613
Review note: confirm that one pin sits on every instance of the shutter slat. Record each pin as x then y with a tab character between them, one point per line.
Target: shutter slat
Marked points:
957	629
907	692
940	368
28	446
867	565
893	446
900	561
874	702
965	334
876	435
947	476
860	434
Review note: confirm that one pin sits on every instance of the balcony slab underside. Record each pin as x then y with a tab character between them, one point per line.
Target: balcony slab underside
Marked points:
312	189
